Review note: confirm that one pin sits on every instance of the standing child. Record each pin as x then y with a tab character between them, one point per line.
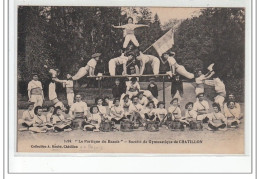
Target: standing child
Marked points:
217	121
177	87
117	112
129	32
152	87
117	89
35	91
68	84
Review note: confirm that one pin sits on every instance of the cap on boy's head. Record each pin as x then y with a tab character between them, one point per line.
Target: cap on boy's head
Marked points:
198	95
133	79
117	79
116	99
96	55
189	103
34	73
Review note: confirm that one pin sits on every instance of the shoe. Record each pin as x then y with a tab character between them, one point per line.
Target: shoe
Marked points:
235	123
67	130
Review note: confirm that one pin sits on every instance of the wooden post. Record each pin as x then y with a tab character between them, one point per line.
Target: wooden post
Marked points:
163	90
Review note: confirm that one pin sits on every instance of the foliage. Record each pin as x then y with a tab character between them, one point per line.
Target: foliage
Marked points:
216	36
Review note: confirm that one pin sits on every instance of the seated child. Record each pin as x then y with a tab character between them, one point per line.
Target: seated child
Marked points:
50	114
117	112
39	121
174	110
190	114
142	99
150	112
94	120
27	118
136	111
201	106
217	121
108	104
59	122
125	104
102	109
232	114
161	112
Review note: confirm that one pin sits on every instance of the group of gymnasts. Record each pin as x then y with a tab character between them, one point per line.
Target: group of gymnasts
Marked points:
130	102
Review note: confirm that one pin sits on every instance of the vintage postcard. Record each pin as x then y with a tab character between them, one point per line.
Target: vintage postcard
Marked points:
150	80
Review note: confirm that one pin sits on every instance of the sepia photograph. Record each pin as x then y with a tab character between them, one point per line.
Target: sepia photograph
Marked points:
148	80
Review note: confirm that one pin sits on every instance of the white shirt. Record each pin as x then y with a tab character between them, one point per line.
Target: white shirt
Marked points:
120	60
130	87
52	91
92	63
135	108
143	101
95	117
49	116
39	119
200	79
34	84
199	106
175	112
102	109
191	114
230	113
161	113
147	58
28	115
118	110
219	86
217	118
171	61
57	118
149	111
79	107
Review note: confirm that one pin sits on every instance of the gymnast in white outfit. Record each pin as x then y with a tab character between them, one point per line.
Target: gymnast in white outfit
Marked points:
122	60
144	59
175	67
129	32
89	68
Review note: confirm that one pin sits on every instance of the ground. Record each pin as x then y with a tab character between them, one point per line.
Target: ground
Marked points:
139	141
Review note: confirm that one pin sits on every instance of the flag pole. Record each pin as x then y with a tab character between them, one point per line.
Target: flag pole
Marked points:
148	48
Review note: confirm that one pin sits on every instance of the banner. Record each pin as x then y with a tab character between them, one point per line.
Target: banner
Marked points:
164	43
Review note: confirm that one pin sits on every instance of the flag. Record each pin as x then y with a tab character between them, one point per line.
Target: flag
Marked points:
164	43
